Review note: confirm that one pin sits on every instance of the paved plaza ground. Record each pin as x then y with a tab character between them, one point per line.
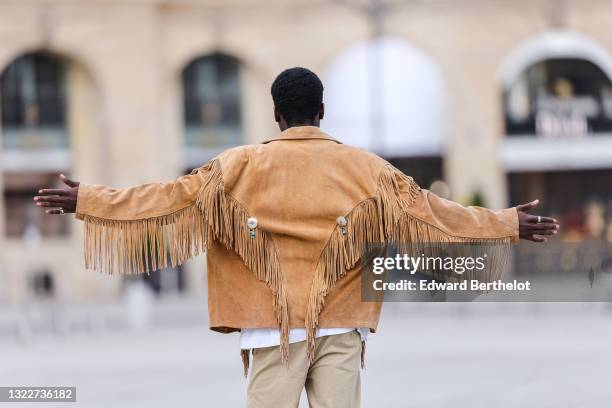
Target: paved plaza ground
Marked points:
425	355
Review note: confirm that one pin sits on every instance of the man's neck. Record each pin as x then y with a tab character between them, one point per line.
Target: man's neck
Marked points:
292	125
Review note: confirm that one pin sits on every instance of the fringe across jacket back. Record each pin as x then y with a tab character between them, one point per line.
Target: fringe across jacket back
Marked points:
297	267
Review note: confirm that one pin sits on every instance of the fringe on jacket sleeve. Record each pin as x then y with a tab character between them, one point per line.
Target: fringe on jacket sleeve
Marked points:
143	228
152	226
401	213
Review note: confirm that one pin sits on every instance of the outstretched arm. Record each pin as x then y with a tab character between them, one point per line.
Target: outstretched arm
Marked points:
432	221
140	228
478	222
456	222
140	202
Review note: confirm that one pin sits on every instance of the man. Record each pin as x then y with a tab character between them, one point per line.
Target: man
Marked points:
283	224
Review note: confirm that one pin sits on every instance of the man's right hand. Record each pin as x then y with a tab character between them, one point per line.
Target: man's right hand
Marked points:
59	200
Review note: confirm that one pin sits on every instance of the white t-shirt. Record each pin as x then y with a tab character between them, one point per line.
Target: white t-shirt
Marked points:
257	338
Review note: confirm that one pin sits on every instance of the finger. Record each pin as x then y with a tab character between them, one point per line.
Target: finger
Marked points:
53	191
52	199
536	238
528	206
551	231
534	219
49	204
542	227
54	211
68	182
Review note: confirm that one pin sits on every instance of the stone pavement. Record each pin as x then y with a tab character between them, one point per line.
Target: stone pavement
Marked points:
425	355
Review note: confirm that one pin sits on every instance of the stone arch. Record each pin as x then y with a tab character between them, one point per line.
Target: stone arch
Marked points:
389	96
553	44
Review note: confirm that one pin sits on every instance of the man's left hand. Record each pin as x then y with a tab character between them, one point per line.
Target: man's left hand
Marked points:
535	227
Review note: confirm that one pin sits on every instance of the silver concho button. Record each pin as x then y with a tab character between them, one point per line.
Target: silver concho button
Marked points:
341	221
252	223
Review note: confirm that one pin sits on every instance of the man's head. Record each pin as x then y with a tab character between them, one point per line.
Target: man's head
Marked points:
298	98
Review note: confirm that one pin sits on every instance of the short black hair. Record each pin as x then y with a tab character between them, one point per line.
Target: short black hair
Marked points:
297	94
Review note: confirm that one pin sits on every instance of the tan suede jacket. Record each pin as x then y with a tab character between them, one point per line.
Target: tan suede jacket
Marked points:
270	217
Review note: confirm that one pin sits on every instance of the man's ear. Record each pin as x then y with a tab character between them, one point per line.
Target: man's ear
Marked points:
321	111
277	116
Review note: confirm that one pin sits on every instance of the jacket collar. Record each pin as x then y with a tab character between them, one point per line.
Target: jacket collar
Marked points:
302	133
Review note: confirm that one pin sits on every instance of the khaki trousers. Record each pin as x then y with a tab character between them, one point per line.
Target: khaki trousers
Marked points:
333	379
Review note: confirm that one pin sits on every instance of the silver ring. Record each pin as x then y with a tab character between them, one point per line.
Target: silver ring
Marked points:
539	219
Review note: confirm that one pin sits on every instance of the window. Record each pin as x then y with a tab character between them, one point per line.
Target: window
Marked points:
424	170
212	113
557	98
33	108
582	202
33	96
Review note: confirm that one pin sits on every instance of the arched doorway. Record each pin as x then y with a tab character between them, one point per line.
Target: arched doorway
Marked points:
557	109
559	98
49	125
33	91
389	97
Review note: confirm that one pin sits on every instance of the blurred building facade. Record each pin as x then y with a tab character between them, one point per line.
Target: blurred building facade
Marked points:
486	102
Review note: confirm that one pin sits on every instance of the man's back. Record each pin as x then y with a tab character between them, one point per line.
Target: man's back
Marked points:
297	186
